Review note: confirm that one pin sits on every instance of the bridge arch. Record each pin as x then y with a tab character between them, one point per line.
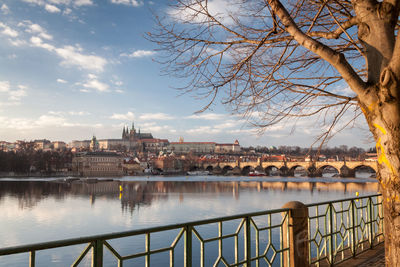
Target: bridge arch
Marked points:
327	167
269	170
194	168
364	168
210	168
285	171
247	169
226	169
294	168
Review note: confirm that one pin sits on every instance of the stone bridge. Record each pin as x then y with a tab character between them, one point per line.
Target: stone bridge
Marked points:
287	168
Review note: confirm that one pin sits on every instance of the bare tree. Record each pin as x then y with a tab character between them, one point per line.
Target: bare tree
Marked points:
273	60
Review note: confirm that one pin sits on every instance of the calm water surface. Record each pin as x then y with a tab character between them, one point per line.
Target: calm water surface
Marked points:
33	210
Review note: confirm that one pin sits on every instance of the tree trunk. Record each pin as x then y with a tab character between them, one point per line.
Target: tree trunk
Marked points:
388	175
383	117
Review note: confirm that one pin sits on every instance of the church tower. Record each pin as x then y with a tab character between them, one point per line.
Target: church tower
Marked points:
123	133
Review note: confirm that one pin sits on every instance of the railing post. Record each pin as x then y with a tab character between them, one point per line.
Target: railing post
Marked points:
32	256
247	242
297	224
97	255
353	228
188	246
370	218
331	248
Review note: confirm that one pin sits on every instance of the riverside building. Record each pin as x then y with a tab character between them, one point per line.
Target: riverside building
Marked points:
97	164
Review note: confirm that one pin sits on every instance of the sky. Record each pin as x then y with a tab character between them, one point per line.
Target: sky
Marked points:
70	69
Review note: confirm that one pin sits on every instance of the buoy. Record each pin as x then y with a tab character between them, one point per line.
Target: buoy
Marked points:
120	188
357	194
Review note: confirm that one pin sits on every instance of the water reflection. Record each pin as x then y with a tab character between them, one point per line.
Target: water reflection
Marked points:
37	211
139	193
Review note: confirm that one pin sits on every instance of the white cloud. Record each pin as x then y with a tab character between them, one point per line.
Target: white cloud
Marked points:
36	41
96	84
17	42
38	2
128	116
119	91
67	11
37	29
16	95
13	95
61	81
4	86
6	30
83	3
204	130
75	3
207	116
128	2
4	8
139	54
155	116
221	9
72	57
48	120
78	113
52	8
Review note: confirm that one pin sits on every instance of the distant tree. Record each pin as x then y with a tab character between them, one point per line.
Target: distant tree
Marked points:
275	60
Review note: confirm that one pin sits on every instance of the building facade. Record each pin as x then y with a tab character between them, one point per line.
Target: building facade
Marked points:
192	147
97	164
228	148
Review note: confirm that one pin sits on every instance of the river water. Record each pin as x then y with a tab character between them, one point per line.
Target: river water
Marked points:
34	210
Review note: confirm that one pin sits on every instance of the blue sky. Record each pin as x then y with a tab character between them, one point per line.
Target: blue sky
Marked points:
73	68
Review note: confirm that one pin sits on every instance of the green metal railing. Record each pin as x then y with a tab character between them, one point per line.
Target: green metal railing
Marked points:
342	229
256	236
337	230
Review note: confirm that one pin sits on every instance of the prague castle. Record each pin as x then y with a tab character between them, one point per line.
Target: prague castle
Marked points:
131	140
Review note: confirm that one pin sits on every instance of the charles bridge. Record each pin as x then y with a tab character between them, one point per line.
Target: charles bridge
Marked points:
286	168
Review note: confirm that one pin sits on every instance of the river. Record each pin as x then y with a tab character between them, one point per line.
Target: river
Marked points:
36	210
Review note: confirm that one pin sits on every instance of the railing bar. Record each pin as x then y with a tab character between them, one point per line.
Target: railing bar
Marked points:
87	239
247	237
353	226
257	242
202	254
141	254
113	251
340	200
218	238
370	222
177	238
171	258
188	246
236	248
270	227
240	225
32	258
147	250
83	254
97	253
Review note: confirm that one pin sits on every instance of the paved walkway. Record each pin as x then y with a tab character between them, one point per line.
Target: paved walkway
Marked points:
370	258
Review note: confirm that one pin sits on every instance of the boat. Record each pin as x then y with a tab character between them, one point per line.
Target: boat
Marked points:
256	173
197	173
